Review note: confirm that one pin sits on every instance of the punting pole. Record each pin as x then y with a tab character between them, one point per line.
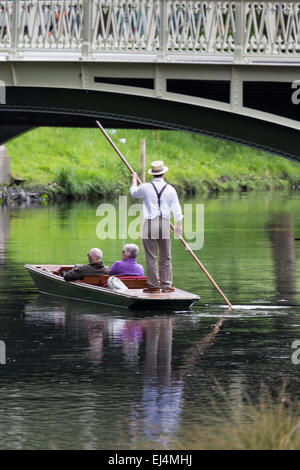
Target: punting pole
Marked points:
172	226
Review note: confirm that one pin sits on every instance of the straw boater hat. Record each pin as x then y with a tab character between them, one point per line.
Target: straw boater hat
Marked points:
157	168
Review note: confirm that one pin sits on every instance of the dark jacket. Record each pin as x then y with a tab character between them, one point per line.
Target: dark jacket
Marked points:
80	271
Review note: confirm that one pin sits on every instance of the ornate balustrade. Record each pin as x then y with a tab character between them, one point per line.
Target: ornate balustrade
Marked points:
238	29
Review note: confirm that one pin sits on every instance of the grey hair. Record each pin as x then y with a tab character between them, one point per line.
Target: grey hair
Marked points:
131	250
96	254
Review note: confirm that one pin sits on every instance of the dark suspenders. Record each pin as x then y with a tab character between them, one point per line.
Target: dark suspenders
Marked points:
158	194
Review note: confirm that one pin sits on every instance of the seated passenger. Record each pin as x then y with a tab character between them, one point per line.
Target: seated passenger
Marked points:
94	268
129	266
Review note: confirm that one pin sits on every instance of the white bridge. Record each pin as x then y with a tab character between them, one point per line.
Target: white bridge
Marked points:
223	68
149	30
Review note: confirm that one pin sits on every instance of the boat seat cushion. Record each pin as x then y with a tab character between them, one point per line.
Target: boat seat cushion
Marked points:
100	280
132	282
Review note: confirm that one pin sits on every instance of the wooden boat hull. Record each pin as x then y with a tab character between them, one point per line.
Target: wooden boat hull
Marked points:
49	283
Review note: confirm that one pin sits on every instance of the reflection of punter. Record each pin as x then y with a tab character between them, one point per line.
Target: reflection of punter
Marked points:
158	199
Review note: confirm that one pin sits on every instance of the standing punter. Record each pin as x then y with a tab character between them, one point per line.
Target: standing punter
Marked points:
158	199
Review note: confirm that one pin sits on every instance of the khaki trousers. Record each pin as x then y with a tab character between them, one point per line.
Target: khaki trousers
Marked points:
156	236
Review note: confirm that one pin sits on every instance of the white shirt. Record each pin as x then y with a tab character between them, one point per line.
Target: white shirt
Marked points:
168	200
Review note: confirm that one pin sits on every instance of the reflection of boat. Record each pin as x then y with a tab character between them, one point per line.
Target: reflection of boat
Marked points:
93	289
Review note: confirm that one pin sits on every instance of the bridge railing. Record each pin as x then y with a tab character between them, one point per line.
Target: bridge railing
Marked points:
237	29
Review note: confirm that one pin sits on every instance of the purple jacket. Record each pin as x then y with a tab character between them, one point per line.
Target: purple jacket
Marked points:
128	267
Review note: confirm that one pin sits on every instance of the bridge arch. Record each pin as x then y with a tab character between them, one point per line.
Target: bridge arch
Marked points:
228	69
80	108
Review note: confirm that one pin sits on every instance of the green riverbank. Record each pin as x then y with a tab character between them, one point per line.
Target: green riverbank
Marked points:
79	163
270	424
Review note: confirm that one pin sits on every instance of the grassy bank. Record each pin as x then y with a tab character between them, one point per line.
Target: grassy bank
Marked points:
273	423
80	163
269	425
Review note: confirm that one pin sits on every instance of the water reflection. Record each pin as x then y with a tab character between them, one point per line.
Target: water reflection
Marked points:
82	375
194	354
281	234
4	230
112	373
144	348
162	397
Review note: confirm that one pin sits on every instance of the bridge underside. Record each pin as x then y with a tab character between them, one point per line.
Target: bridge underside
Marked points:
35	107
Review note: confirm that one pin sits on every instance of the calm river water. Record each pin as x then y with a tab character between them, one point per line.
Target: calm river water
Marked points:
86	376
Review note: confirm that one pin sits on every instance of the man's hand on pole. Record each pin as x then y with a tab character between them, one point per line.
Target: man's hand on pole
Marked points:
134	179
178	229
